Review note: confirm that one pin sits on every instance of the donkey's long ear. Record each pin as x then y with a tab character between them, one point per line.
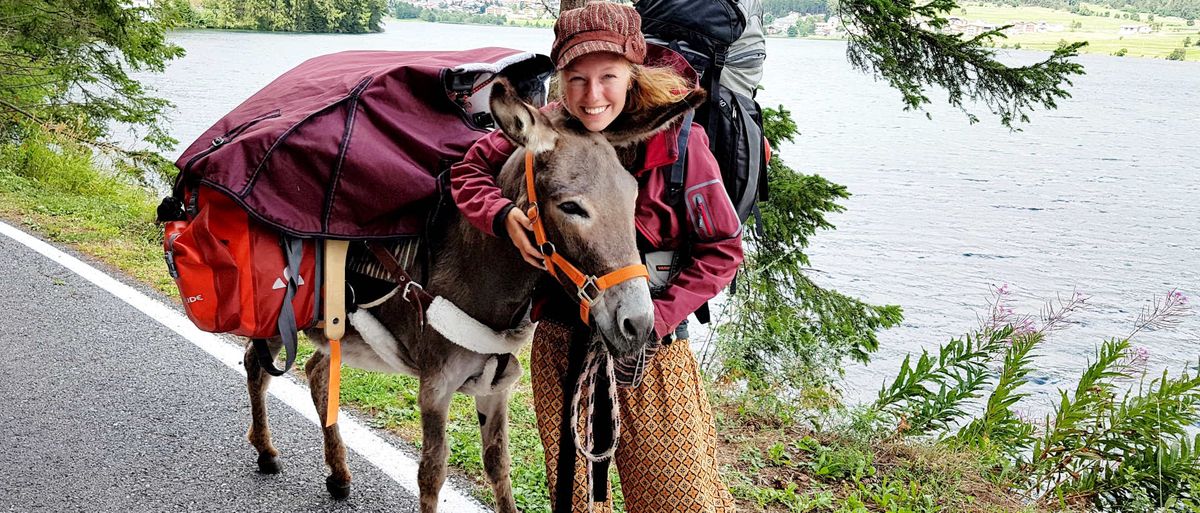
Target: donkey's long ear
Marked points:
519	120
637	128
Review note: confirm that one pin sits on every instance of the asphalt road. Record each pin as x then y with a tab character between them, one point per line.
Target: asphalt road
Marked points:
102	408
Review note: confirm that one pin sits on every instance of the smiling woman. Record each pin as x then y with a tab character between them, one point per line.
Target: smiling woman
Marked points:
594	87
608	80
598	87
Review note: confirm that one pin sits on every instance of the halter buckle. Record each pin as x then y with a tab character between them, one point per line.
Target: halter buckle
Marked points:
408	287
585	295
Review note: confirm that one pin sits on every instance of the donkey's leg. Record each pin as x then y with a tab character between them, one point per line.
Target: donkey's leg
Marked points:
434	399
338	482
493	431
259	435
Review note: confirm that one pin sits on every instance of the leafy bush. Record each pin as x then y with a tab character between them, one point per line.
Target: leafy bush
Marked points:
344	16
1102	446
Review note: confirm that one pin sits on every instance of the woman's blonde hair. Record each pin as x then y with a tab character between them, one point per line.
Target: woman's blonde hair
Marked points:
651	87
655	87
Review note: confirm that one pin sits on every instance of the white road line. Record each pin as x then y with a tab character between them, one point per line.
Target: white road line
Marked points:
357	437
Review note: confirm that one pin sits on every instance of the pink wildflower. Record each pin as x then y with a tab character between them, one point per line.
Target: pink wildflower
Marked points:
1137	358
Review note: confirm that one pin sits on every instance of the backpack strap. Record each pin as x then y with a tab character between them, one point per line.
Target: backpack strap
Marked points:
293	250
679	169
713	86
759	230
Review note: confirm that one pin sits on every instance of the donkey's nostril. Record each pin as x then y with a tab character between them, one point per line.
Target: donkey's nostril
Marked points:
629	329
636	328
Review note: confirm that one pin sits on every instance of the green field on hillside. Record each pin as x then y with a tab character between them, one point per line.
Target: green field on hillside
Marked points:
1102	34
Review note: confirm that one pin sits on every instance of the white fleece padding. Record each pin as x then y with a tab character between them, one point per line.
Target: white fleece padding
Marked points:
493	67
487	382
463	330
377	336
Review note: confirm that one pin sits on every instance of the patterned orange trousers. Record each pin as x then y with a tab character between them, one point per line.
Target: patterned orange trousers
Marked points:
666	456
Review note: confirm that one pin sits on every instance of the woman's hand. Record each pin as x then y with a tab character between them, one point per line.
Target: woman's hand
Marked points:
518	226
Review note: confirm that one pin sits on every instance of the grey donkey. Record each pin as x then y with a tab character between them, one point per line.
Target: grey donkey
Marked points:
587	202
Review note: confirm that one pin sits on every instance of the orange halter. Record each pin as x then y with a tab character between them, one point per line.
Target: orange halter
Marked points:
589	288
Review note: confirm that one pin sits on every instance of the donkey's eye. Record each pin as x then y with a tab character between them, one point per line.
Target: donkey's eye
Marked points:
572	209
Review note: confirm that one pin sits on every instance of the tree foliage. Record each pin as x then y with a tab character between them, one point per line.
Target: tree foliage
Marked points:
1182	9
781	8
901	41
65	64
406	11
324	16
805	27
440	16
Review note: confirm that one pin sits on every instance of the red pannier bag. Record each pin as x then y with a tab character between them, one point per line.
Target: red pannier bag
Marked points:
232	270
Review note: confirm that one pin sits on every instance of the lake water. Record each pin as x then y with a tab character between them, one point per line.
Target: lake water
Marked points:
1100	196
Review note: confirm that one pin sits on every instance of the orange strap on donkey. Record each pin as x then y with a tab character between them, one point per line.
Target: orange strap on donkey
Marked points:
588	287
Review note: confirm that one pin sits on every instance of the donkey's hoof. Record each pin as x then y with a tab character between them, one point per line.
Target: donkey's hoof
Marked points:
268	464
337	490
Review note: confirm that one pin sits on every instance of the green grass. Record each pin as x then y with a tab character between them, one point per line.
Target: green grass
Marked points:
390	402
1101	33
62	195
844	473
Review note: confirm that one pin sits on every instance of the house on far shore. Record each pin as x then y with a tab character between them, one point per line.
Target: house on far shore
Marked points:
1026	27
830	28
978	27
1126	30
498	10
781	25
956	25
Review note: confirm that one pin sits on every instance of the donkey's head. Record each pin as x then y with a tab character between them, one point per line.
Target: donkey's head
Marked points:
586	202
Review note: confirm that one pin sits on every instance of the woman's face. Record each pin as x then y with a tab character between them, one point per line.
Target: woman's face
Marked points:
595	86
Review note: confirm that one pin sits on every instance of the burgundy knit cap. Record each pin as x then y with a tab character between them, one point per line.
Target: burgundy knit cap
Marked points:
598	27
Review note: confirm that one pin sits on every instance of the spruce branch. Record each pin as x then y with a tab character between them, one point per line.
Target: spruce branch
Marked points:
903	43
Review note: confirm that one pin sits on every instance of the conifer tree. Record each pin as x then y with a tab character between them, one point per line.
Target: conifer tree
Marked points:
65	64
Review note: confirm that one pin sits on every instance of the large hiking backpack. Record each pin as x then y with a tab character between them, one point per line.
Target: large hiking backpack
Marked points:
724	42
345	146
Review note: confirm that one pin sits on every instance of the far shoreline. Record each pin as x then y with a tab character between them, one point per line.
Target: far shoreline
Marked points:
1193	55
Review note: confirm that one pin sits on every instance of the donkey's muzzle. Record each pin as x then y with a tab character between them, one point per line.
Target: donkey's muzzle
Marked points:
625	317
635	325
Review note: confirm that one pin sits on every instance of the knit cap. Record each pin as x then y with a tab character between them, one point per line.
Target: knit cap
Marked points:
598	27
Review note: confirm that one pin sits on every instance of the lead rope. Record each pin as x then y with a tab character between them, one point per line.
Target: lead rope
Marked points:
585	442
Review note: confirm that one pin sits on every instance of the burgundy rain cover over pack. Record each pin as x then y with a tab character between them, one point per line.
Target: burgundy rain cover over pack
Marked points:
344	145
